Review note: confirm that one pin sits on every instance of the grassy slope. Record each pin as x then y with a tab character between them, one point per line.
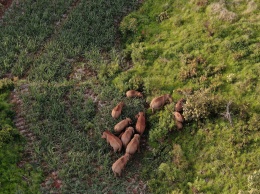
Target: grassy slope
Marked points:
187	46
59	107
164	48
169	45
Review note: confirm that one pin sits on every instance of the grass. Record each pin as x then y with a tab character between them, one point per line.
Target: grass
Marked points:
70	131
58	109
188	47
78	65
27	177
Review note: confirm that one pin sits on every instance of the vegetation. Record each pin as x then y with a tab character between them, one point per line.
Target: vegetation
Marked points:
13	178
204	52
77	59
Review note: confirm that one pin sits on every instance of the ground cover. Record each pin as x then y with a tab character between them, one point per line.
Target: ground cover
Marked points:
72	66
27	178
204	52
58	101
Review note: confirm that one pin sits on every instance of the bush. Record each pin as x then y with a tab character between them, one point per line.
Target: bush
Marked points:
171	173
16	179
138	53
6	84
129	25
7	134
202	104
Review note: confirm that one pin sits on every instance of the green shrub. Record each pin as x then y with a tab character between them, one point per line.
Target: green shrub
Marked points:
253	123
6	84
172	173
138	53
7	134
202	104
128	25
13	178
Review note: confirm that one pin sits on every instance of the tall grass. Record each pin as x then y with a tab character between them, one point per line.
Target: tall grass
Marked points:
24	28
54	39
70	127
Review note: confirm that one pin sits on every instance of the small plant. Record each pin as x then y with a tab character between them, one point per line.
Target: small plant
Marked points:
188	71
7	134
129	25
136	83
138	53
220	11
6	84
190	67
231	78
178	22
178	157
162	16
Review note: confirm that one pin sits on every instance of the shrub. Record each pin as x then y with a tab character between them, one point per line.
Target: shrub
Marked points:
197	185
171	173
188	71
136	83
138	53
7	134
253	123
6	84
179	22
221	12
162	16
15	178
202	104
129	25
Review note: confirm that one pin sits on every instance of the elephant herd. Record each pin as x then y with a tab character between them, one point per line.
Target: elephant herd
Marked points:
128	137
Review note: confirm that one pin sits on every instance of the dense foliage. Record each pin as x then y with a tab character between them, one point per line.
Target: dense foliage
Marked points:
77	59
13	178
7	132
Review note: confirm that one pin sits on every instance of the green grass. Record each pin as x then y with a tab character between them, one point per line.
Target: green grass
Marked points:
70	131
79	58
38	20
181	47
24	179
56	108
